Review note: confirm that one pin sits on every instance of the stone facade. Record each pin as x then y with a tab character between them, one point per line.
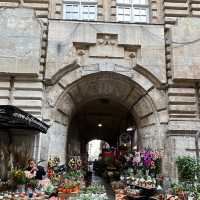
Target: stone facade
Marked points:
51	67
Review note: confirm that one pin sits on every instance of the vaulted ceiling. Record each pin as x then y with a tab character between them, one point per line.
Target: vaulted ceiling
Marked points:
113	117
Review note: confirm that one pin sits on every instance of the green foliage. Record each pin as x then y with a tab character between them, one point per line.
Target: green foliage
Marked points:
157	169
32	183
70	184
74	175
18	176
177	187
55	180
187	168
90	197
94	189
49	189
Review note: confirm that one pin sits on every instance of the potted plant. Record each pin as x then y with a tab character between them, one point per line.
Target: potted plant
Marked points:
19	179
187	168
179	190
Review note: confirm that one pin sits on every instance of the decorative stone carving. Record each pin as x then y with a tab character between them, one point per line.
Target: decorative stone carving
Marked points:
81	52
106	47
106	39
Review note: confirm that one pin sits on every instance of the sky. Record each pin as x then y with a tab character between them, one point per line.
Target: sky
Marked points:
94	149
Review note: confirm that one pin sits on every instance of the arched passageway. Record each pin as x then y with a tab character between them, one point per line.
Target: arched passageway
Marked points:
94	149
117	99
102	119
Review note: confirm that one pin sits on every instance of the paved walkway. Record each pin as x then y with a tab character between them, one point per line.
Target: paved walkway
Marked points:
100	180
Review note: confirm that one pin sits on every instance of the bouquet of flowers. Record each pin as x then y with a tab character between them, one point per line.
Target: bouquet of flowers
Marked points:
75	163
52	166
30	175
147	160
53	162
151	160
21	177
31	182
18	176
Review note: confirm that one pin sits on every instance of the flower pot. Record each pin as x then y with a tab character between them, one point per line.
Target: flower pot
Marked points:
77	189
66	190
73	189
60	189
20	188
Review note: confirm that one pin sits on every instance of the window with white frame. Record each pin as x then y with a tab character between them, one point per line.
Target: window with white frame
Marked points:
133	11
80	9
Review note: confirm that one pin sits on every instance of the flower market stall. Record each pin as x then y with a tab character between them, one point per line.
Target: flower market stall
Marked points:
63	182
138	174
131	173
18	136
139	178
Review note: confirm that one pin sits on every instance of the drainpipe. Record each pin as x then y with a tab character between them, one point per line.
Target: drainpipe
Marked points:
197	150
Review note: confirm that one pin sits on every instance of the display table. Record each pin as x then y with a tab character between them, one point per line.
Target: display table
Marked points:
137	198
146	191
144	194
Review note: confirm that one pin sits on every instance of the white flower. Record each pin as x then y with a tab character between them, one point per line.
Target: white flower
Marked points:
30	175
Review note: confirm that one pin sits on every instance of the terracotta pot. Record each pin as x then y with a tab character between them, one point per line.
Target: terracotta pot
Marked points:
78	188
70	190
60	189
66	190
73	189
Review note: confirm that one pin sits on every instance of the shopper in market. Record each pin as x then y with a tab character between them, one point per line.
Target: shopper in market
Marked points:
33	168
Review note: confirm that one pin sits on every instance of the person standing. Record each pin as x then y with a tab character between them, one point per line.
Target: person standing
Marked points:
33	168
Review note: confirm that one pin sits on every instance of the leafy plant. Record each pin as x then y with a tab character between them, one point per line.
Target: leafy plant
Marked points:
177	187
18	176
32	183
187	168
74	175
49	189
95	189
90	197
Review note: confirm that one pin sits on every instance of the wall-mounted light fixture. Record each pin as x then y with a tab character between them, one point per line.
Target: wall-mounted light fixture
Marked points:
129	129
100	125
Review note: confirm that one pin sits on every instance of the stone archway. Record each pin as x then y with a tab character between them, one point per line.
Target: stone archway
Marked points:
131	89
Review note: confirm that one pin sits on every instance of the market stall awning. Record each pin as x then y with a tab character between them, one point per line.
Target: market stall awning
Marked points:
13	117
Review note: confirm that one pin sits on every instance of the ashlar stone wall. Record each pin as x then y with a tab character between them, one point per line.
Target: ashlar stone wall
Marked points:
162	61
21	68
87	61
